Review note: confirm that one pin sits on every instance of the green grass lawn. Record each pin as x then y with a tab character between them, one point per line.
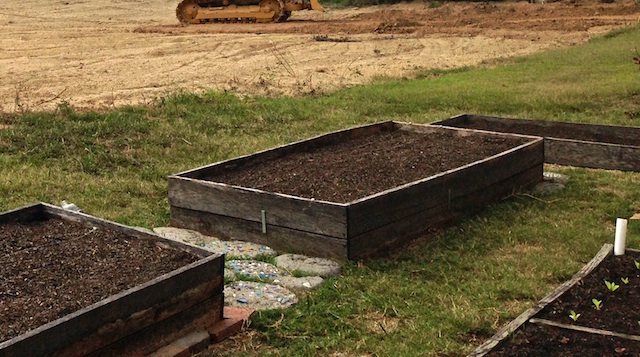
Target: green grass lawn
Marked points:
440	296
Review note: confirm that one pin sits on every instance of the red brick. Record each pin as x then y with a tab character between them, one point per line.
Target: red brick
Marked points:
225	329
231	312
234	320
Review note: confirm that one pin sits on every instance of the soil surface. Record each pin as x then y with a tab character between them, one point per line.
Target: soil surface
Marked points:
367	165
51	268
103	53
547	341
619	313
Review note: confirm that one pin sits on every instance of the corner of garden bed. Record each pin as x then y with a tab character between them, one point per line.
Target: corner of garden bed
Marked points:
132	319
569	322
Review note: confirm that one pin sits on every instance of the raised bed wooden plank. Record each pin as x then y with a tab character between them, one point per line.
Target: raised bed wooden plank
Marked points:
150	339
576	144
112	319
280	210
284	150
593	155
384	238
32	211
584	329
279	238
143	307
48	210
372	212
523	318
611	134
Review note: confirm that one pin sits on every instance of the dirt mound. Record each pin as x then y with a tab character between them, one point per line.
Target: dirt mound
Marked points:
106	53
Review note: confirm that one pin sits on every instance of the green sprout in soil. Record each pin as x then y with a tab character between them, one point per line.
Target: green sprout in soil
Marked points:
625	280
611	285
574	316
597	303
637	263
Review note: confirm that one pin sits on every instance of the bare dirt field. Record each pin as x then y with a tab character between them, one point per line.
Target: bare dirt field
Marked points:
98	54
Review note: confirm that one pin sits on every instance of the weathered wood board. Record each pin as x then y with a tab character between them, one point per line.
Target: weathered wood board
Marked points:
134	322
595	146
360	229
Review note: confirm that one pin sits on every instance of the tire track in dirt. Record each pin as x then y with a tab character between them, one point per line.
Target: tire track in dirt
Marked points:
99	54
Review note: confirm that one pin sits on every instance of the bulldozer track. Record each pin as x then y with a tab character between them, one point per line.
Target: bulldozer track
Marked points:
187	12
243	11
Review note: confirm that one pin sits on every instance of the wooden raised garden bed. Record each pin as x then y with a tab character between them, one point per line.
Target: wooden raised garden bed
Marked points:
75	285
355	193
586	145
548	329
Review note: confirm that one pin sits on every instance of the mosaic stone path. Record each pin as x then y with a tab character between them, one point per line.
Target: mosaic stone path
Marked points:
253	283
233	249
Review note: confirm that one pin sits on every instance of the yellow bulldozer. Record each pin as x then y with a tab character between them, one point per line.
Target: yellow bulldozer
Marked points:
203	11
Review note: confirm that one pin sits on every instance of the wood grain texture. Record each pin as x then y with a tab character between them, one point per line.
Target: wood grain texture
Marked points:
281	210
164	332
281	239
404	229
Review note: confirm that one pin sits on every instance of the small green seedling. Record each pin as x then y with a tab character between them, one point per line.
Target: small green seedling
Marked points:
597	303
625	280
611	285
574	316
637	264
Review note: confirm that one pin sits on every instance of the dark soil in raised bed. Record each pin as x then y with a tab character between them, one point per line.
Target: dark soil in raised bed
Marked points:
619	312
547	341
54	267
367	165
